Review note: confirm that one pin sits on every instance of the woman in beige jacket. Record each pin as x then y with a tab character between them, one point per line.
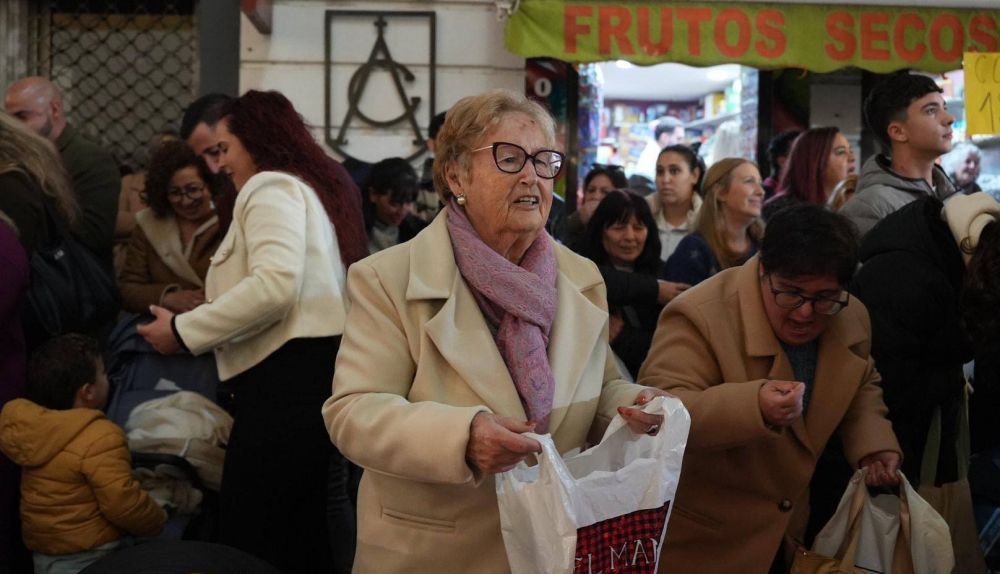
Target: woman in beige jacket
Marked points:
771	359
174	238
479	329
273	314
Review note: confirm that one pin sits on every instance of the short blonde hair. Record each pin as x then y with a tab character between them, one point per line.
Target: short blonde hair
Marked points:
711	223
468	121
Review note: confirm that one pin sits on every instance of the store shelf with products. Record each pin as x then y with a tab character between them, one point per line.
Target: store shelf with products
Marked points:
699	99
627	127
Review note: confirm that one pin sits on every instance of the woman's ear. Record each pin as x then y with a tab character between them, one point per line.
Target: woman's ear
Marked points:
721	191
453	175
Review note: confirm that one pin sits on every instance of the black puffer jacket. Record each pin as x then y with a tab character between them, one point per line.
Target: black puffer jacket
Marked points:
911	281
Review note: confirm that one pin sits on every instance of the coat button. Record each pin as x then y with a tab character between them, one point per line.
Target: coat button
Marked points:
785	505
208	300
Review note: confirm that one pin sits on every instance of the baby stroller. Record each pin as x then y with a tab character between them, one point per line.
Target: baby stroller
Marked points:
172	454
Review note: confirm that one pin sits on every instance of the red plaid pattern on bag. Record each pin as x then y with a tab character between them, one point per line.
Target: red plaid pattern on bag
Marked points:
629	544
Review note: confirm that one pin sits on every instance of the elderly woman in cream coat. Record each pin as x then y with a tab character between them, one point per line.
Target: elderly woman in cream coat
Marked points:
479	329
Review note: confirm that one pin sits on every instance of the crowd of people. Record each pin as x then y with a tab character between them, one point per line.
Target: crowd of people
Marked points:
383	348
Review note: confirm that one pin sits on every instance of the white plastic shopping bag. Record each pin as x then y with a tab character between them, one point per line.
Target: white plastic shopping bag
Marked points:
603	510
924	533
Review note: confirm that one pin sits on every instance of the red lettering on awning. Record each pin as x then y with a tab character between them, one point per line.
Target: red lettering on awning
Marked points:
874	29
903	22
839	26
769	23
722	21
571	28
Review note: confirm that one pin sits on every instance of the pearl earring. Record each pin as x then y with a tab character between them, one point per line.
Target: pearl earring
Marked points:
460	199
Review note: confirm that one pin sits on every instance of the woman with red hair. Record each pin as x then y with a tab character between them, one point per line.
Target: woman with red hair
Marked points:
820	159
273	314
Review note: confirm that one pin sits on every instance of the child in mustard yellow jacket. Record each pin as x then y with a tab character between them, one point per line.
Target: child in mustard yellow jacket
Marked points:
78	497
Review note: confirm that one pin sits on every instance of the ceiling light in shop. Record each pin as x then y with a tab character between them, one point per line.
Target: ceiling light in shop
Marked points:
623	64
723	73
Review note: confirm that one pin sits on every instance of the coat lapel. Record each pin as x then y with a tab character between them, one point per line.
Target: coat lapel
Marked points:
458	329
578	325
165	237
759	339
838	371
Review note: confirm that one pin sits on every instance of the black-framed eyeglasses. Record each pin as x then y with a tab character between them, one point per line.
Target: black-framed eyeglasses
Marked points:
189	191
510	158
793	300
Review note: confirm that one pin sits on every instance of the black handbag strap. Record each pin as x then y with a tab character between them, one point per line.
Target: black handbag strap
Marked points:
56	224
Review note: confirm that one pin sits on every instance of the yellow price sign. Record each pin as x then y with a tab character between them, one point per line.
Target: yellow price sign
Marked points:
982	92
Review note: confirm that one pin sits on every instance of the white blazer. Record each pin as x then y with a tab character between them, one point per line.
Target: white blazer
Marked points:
277	275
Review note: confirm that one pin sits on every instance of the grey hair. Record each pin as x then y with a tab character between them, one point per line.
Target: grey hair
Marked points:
470	120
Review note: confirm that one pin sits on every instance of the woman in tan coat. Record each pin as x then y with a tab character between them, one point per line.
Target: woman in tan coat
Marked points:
479	329
174	238
770	358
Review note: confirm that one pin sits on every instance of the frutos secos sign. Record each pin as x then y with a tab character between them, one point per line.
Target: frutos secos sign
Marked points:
816	37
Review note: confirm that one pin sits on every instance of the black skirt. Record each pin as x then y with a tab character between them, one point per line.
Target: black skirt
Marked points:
274	483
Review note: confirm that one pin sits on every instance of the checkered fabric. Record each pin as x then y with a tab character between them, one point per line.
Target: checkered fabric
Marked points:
628	544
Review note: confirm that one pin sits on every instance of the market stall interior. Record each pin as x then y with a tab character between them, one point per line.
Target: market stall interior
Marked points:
733	110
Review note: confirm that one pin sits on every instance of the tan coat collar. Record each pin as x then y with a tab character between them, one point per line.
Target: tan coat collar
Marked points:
463	338
836	363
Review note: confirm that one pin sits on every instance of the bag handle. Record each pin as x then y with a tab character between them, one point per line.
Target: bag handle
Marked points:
58	229
849	547
550	462
902	559
658	405
553	467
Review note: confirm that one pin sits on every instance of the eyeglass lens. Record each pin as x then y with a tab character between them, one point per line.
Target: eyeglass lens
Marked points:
794	301
510	158
188	191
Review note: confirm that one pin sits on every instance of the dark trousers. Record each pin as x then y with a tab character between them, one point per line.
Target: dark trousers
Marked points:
274	483
341	504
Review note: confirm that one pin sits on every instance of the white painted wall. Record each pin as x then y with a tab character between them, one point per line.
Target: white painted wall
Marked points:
471	58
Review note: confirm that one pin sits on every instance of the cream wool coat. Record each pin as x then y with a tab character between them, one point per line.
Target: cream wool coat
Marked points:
276	276
744	486
417	362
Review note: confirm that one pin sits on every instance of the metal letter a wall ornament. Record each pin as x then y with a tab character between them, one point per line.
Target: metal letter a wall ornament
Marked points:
379	60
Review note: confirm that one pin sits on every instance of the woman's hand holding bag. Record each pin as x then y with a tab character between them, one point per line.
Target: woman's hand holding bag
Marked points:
605	509
885	533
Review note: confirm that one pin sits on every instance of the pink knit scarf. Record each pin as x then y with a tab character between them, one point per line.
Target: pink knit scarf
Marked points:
520	303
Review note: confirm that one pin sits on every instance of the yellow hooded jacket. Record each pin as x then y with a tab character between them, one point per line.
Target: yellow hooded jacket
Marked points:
77	490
